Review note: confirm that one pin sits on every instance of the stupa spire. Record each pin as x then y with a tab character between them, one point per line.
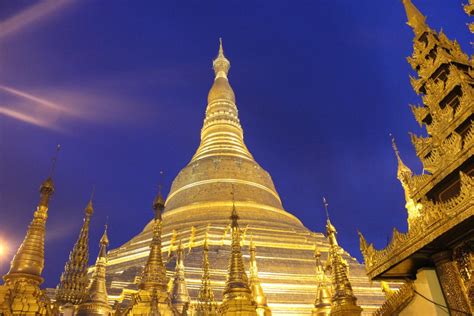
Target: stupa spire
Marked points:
154	273
221	133
257	291
152	297
180	295
237	293
28	262
416	20
206	304
96	301
343	300
72	287
322	304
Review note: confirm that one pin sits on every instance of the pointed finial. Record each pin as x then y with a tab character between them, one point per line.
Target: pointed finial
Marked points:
159	202
403	170
416	20
104	240
89	208
326	204
330	229
221	64
395	147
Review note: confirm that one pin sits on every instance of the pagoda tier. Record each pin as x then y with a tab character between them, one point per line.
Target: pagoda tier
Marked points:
200	201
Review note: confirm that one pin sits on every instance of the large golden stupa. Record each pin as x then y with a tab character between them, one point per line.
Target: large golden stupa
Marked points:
199	204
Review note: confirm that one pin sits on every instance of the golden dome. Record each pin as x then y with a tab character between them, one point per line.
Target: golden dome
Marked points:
202	190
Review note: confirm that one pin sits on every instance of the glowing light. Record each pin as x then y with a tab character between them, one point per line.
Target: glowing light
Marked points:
3	249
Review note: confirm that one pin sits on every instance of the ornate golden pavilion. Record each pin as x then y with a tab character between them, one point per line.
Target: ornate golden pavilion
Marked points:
436	255
222	243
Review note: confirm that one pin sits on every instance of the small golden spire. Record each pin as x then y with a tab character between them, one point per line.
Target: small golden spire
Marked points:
343	300
416	20
221	64
179	294
403	172
154	272
96	301
237	293
152	297
322	303
404	175
206	304
28	262
255	284
73	283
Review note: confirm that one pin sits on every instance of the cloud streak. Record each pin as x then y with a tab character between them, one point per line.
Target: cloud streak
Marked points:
70	104
30	15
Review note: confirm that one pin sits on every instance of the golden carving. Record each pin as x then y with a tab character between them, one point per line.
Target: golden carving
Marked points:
179	294
397	300
343	301
96	301
21	295
73	283
450	281
206	305
322	303
237	294
257	290
433	217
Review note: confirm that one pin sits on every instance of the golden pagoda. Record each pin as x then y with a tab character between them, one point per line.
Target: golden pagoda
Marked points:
206	305
72	288
343	300
179	294
237	295
322	303
436	252
198	204
96	301
21	294
152	297
255	284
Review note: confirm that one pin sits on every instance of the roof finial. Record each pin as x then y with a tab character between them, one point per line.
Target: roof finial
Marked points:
395	147
221	49
416	20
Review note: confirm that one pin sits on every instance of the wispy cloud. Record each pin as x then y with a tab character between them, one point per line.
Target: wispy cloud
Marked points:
37	107
30	15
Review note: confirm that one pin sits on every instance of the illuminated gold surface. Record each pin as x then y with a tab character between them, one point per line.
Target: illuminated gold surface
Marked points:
21	295
206	305
322	304
152	297
255	285
72	287
343	300
199	204
237	295
179	293
440	201
96	301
